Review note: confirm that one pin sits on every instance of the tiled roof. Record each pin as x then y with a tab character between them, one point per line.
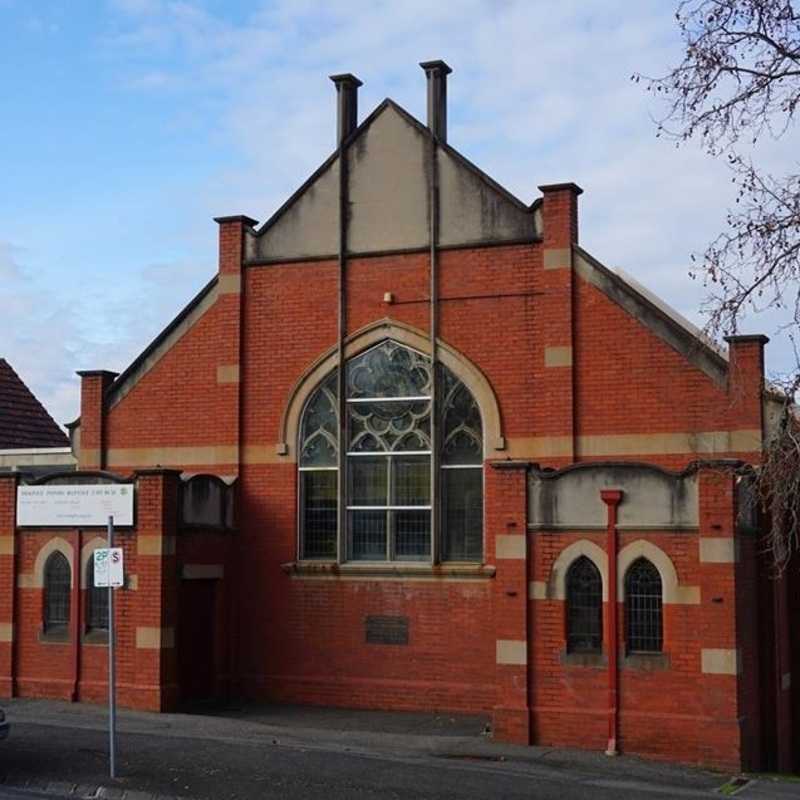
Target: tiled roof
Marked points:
23	419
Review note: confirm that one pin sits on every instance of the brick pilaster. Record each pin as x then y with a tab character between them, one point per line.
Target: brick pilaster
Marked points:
721	658
507	540
155	678
230	310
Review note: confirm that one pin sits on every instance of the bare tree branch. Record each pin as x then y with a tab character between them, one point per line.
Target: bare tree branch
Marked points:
738	80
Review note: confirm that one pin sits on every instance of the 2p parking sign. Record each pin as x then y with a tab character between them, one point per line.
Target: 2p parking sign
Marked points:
108	567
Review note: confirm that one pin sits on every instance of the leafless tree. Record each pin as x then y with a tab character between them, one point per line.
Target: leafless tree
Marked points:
739	82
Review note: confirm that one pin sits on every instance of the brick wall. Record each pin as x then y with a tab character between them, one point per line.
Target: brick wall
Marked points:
564	361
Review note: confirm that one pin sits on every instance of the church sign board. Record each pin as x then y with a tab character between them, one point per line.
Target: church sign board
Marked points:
75	504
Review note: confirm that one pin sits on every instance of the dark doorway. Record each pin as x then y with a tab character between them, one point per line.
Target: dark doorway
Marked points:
196	638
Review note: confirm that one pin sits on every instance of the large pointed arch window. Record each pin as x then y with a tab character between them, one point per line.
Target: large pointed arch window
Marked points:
389	452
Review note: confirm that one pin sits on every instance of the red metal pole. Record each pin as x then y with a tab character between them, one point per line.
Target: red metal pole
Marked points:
612	498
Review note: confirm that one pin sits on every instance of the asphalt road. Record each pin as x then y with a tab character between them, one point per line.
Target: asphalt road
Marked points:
320	754
249	768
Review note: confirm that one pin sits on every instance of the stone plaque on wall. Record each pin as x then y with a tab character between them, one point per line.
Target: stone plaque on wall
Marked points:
386	630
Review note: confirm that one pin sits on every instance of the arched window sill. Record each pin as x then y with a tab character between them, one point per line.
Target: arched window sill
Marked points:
332	571
587	658
95	636
56	634
646	662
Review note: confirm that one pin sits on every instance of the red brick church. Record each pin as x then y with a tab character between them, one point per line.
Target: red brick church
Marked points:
413	447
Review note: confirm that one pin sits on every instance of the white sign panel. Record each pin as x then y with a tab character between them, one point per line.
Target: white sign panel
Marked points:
108	567
75	504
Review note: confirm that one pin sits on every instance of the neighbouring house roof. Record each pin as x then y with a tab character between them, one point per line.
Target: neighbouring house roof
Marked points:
24	422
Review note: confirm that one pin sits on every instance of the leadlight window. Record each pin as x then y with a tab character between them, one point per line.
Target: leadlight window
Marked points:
388	508
461	472
96	602
584	607
643	608
57	583
319	435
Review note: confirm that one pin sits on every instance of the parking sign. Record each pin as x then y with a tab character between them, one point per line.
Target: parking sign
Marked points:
108	567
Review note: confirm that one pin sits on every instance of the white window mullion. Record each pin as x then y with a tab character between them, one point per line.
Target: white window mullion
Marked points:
413	399
389	508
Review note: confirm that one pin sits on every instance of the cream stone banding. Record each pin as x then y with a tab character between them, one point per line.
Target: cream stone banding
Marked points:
721	550
50	547
228	373
557	585
512	652
511	546
672	592
459	365
720	661
155	545
537	590
560	356
557	258
230	283
152	638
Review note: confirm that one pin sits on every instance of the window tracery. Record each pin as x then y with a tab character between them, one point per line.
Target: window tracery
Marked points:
387	485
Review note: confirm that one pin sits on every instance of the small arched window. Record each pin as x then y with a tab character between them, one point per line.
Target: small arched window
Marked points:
584	607
643	618
57	583
96	601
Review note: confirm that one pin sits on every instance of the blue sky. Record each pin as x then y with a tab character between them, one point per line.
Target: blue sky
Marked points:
128	124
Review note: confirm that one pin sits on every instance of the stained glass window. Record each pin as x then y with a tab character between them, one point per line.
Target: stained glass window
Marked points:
584	607
387	485
57	582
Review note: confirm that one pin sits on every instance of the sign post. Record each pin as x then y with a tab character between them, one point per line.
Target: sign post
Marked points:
109	572
112	684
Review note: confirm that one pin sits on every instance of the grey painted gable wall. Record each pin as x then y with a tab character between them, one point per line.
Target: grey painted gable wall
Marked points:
472	212
388	186
389	201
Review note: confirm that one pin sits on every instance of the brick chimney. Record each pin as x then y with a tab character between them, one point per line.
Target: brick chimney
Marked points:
555	281
560	214
94	385
746	382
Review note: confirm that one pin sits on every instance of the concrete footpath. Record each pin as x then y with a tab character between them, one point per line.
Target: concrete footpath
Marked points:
284	751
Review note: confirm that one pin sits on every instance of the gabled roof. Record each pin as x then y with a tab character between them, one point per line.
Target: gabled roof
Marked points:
24	422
